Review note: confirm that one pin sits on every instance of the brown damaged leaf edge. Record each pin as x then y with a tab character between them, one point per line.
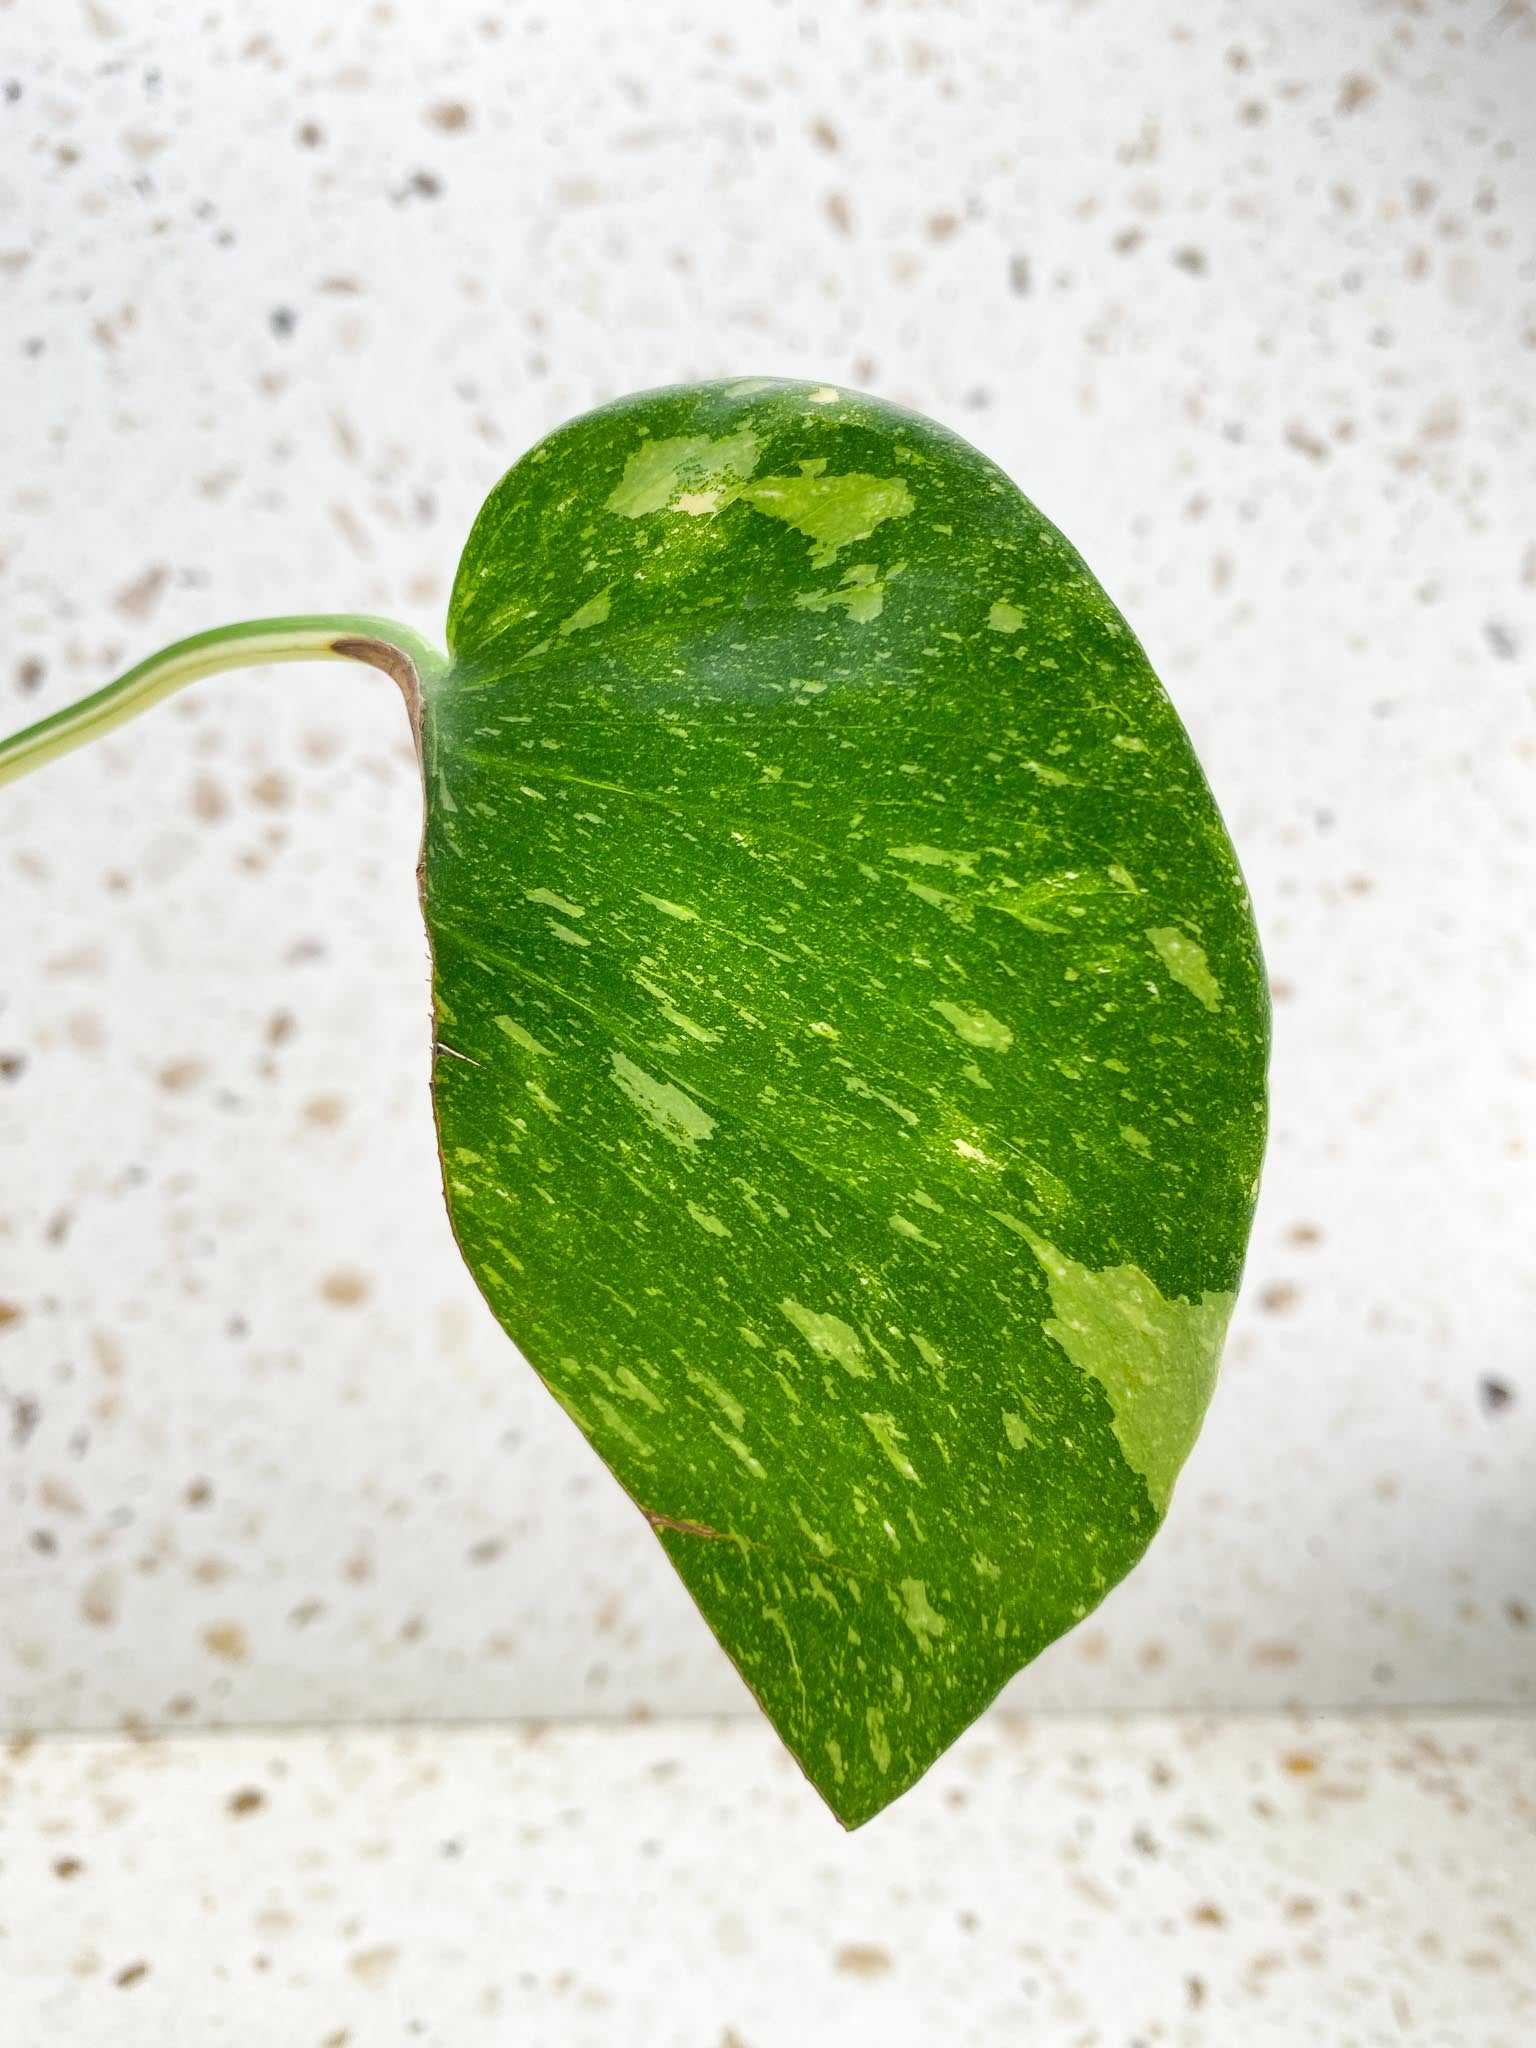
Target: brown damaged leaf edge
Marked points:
395	663
685	1528
849	1026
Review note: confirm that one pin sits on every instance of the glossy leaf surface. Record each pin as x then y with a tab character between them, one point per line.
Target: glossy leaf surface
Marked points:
852	1037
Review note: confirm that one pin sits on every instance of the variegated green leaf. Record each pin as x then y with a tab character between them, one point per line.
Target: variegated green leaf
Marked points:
852	1037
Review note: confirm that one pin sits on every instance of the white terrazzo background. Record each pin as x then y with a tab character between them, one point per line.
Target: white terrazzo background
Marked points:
1250	1882
1244	295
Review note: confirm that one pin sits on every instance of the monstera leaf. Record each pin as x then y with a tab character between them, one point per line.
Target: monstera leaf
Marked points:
851	1037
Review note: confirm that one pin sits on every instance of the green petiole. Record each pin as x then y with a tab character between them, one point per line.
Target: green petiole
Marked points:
342	636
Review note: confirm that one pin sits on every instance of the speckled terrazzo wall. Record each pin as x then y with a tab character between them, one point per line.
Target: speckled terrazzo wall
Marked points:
1244	296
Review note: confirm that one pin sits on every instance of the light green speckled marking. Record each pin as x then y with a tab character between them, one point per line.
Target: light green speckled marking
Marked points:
890	1436
560	903
976	1027
918	1614
862	593
592	613
666	1108
879	1741
1017	1430
1155	1359
521	1037
831	511
1005	617
658	471
904	1227
1052	1190
633	1388
673	1015
678	910
830	1336
738	1449
730	1407
620	1427
1187	963
937	857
